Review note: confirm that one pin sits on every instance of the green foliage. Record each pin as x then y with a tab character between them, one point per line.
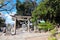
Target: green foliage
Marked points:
51	7
58	34
39	10
25	8
52	38
45	26
53	32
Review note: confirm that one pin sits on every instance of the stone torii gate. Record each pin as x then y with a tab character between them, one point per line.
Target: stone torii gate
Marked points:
27	18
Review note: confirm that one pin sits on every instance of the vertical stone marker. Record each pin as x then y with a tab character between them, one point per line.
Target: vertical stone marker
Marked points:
28	25
15	26
8	29
13	30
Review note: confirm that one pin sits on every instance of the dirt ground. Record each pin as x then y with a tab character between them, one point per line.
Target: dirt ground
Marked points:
26	36
37	38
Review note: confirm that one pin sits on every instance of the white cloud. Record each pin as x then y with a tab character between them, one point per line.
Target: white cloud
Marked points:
8	18
13	13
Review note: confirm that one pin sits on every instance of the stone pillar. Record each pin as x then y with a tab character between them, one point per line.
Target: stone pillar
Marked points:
8	29
13	30
34	27
15	26
25	22
28	25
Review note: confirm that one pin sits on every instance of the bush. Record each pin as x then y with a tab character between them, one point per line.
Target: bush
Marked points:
58	34
53	32
46	26
52	38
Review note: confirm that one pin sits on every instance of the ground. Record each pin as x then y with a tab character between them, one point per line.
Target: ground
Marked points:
26	36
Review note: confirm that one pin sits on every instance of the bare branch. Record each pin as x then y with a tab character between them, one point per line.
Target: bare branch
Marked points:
4	5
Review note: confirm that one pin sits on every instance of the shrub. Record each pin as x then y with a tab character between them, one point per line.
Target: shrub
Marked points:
53	32
52	38
59	34
45	26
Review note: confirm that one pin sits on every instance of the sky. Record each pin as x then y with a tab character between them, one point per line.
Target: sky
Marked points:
6	16
33	0
10	5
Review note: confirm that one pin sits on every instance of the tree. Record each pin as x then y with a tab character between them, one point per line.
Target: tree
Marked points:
25	8
47	9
